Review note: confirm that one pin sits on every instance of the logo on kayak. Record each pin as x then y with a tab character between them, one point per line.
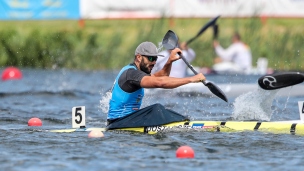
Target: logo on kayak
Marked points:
155	128
198	125
162	128
201	126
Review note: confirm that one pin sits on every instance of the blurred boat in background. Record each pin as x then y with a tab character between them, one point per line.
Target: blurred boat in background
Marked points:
231	68
231	90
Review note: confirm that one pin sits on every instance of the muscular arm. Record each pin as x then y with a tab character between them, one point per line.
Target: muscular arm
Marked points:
165	71
169	82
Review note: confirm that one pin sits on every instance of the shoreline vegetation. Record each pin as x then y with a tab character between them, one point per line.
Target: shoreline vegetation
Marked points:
110	44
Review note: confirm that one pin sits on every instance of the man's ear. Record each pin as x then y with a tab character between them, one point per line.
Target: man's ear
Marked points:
138	58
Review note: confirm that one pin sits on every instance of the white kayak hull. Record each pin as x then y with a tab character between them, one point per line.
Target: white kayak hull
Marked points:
231	90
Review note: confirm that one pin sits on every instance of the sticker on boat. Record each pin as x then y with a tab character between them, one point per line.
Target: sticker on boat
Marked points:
198	125
155	128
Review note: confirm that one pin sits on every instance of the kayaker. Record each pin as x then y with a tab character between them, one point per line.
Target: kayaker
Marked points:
238	54
128	88
179	68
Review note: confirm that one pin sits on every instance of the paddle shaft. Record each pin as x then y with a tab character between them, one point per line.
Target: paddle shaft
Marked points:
203	29
170	41
190	66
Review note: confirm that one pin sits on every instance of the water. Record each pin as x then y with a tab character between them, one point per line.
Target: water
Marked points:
51	94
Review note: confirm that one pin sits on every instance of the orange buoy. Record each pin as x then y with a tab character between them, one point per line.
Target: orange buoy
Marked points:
34	122
184	152
11	73
95	134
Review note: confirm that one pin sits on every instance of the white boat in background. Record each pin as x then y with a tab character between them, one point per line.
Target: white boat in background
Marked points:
231	68
231	90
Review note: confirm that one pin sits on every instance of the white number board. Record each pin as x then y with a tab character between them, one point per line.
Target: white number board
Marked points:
78	117
301	109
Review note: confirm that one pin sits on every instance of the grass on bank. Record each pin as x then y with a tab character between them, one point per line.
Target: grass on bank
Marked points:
110	44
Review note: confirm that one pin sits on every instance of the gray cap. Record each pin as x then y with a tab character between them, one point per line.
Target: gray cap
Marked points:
147	49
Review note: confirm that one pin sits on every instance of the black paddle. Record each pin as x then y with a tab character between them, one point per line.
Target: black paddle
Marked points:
280	80
170	41
210	23
215	31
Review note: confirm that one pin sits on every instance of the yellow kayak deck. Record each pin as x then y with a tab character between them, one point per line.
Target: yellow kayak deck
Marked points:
281	127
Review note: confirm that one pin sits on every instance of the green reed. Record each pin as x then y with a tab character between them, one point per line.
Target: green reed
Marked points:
110	44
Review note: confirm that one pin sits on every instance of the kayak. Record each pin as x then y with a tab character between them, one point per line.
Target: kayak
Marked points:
278	127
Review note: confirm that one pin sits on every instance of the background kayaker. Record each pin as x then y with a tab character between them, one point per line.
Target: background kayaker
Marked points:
128	88
237	54
179	68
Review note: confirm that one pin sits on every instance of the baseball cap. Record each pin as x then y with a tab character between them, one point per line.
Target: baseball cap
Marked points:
147	49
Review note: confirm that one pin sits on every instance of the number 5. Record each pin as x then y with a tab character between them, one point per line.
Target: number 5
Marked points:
78	117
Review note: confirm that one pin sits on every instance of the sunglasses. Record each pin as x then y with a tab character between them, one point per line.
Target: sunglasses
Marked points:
151	58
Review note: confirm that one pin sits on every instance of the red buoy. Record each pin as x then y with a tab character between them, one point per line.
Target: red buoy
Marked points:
184	152
11	73
34	122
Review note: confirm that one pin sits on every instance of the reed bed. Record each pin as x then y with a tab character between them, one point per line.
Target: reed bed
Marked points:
110	44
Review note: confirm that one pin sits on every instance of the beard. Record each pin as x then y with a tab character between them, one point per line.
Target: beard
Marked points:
144	67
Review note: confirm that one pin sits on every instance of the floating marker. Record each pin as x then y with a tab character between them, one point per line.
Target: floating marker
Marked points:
11	73
95	134
78	117
184	152
34	122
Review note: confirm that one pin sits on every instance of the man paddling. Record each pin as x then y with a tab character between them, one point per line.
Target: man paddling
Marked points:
128	88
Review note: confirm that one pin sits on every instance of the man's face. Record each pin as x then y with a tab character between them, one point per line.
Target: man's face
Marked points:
147	63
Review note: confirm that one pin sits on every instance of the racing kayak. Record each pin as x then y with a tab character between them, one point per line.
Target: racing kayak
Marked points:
278	127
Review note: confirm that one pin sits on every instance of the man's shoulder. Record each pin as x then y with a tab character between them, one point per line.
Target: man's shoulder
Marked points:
132	72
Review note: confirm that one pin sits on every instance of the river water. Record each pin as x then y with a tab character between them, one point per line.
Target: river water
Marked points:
51	94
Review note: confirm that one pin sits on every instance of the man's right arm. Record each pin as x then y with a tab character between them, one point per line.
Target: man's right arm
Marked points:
169	82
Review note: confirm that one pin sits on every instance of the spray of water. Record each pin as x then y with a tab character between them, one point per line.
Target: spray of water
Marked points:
160	46
255	105
104	102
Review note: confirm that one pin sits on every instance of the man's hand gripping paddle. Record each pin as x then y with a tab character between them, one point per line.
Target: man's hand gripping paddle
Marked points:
280	80
170	41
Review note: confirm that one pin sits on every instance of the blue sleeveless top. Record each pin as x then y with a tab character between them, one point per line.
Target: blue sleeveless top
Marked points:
123	103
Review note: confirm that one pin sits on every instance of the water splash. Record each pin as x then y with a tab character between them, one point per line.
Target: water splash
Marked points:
255	105
104	102
160	47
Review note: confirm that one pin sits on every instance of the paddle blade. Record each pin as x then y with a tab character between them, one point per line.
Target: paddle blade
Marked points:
170	41
280	80
210	23
216	90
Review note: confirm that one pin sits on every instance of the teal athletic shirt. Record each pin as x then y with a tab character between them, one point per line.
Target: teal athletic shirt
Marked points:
127	94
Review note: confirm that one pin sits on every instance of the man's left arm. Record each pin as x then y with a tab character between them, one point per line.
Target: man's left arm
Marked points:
167	67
